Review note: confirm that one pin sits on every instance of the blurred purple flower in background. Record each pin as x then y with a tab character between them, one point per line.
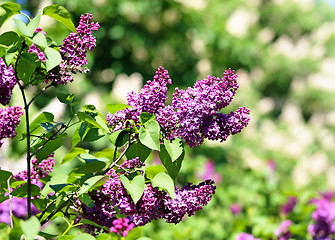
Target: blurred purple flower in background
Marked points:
246	236
289	205
235	208
283	231
209	172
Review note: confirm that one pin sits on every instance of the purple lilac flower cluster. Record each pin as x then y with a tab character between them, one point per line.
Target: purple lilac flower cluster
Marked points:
74	50
7	82
19	209
34	49
194	114
132	163
154	204
122	226
289	206
324	216
246	236
283	231
9	120
150	99
39	170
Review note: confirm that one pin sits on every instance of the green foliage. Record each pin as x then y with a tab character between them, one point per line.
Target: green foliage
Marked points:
7	10
135	187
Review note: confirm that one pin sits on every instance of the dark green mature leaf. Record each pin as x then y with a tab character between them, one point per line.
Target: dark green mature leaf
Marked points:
113	108
4	176
30	227
164	181
49	148
40	40
152	171
25	67
84	117
91	183
9	38
86	221
92	135
58	187
144	117
22	28
174	147
74	152
135	188
22	191
60	14
66	98
149	134
35	126
120	137
137	149
53	58
86	199
47	235
171	167
8	10
91	167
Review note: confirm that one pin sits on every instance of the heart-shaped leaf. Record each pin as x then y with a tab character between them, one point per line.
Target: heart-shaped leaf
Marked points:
135	188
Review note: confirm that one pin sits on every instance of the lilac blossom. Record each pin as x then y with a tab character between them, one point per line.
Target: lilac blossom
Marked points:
235	208
34	49
209	172
74	50
289	206
19	209
122	226
9	120
283	231
132	163
246	236
38	170
7	83
324	227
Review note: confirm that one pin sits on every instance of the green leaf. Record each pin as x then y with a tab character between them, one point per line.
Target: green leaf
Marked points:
49	148
113	108
60	14
120	137
86	221
73	153
144	117
9	38
134	234
152	171
135	188
84	117
35	126
47	235
4	176
174	148
40	40
10	54
164	181
92	135
171	167
58	187
66	237
49	126
22	191
33	24
25	68
84	236
22	28
149	135
107	153
86	199
53	58
8	10
92	182
66	98
30	227
91	167
137	149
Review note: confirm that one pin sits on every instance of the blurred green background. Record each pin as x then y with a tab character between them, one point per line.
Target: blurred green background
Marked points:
284	54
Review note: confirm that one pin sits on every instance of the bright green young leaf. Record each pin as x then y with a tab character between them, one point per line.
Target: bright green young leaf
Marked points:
174	148
53	58
35	125
60	14
152	171
58	187
33	24
66	237
113	108
149	135
92	135
66	98
49	148
164	181
40	40
135	188
144	117
8	10
25	68
10	54
30	227
137	149
107	153
86	221
22	191
84	117
22	28
171	167
74	152
134	234
84	236
91	183
120	137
